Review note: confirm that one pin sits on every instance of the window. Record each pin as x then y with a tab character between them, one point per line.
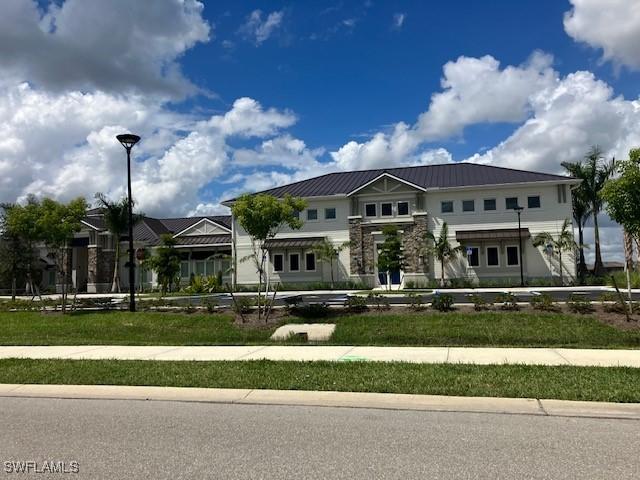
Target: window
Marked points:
533	201
386	209
468	206
312	214
446	207
329	213
211	266
278	262
310	262
403	208
296	214
370	210
200	268
489	204
562	194
294	262
511	203
184	269
512	256
493	260
473	256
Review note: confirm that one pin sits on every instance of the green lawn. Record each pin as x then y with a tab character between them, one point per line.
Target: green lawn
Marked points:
569	383
124	328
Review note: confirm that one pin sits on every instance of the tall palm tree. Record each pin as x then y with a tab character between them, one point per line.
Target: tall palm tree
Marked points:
594	172
328	252
561	242
442	250
116	218
581	214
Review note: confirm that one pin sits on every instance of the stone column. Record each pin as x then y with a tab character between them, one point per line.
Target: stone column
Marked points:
356	263
414	243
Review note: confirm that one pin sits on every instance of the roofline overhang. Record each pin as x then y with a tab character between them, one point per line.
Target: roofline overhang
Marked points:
199	222
386	174
204	245
568	181
92	226
229	203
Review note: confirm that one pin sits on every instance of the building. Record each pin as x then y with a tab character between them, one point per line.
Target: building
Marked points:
476	201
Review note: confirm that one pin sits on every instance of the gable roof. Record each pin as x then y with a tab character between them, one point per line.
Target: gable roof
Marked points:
427	177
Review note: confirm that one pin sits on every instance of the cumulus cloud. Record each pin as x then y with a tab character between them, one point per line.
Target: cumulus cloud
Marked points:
610	25
115	46
258	28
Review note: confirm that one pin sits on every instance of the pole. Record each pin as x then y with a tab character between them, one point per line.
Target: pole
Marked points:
520	251
132	278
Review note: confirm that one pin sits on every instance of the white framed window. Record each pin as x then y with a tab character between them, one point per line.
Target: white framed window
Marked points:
312	215
294	262
513	256
184	269
510	203
310	262
370	210
473	256
200	268
403	209
446	206
489	204
278	262
330	213
386	209
533	201
468	205
493	257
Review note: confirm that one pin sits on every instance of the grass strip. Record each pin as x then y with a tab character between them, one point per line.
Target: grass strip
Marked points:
612	384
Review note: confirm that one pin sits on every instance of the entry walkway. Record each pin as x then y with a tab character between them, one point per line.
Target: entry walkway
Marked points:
483	356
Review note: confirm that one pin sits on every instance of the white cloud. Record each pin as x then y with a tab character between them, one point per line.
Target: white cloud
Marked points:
284	150
610	25
258	29
112	46
398	20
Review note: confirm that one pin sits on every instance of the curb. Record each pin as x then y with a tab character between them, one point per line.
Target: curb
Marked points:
384	401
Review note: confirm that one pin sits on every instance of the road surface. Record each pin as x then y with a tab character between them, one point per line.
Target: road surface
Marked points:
173	440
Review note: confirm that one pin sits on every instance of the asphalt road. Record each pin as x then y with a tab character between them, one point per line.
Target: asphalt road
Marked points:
172	440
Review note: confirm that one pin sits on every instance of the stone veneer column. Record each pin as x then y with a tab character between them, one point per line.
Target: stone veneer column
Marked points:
414	243
356	263
94	254
100	269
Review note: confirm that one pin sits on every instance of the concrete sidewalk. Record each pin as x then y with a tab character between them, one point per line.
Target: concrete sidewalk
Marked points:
452	355
386	401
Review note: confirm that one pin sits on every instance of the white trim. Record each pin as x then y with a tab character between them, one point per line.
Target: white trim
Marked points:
453	207
315	261
290	269
273	263
539	201
91	226
568	181
506	254
386	216
216	224
507	209
468	262
335	212
408	214
386	174
473	200
307	215
198	246
365	210
486	254
495	202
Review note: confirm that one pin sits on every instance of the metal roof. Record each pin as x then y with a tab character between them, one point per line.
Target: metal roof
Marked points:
448	175
204	240
293	242
493	234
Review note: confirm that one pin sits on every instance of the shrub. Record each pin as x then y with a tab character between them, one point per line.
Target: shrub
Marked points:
200	284
618	306
409	285
461	283
507	301
243	305
579	304
480	304
380	302
210	304
356	304
544	303
415	302
442	302
311	310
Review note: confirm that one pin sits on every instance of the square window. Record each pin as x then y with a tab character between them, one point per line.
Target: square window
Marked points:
473	256
329	213
310	262
468	206
184	269
294	262
403	208
370	210
278	262
489	204
312	214
386	209
512	256
446	207
533	201
200	268
511	203
493	260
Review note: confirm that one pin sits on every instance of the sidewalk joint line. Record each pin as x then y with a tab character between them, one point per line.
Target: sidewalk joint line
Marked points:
346	353
541	407
555	350
252	352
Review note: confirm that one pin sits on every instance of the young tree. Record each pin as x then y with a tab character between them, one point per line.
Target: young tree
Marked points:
390	257
262	216
116	218
442	250
562	242
166	263
17	256
328	252
622	194
594	173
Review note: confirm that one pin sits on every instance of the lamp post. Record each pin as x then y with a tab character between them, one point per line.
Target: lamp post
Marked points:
518	210
128	140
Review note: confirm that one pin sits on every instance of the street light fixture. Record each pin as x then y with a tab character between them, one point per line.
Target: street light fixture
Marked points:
518	210
128	140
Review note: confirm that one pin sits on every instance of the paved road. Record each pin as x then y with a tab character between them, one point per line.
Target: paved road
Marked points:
172	440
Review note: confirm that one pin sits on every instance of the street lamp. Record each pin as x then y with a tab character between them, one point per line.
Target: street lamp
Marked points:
518	210
128	140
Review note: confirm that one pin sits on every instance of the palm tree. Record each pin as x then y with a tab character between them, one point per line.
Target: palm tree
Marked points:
560	243
116	218
581	214
442	250
327	252
594	172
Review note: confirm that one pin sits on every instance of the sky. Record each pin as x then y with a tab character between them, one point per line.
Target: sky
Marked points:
237	96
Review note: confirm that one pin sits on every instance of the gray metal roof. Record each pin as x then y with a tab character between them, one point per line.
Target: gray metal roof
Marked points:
293	242
448	175
204	240
493	234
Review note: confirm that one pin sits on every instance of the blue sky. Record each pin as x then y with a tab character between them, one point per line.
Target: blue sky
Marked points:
243	96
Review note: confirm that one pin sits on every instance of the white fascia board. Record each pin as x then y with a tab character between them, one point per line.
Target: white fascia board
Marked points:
386	174
216	224
568	181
